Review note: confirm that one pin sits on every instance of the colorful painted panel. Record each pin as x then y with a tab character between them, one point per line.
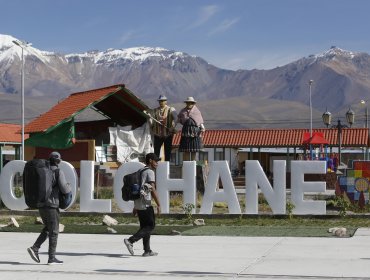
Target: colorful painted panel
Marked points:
356	182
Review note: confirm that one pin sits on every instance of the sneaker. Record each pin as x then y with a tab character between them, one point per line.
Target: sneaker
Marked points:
129	246
54	261
34	254
150	254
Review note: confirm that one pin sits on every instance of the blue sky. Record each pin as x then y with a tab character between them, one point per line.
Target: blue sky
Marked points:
230	34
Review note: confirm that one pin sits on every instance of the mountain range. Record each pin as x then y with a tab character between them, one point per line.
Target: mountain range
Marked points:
277	97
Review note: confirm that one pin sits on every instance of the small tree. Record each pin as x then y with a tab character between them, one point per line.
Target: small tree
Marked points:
343	204
188	209
290	207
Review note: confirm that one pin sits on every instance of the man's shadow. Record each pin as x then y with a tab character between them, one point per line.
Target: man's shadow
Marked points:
16	263
74	254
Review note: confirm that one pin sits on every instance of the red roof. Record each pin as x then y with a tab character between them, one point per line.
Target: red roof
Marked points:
10	133
114	101
351	137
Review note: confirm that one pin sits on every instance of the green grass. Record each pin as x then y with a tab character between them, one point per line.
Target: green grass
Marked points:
238	225
97	229
275	231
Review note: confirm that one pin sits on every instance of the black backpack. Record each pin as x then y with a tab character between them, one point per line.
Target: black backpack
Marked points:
132	185
38	181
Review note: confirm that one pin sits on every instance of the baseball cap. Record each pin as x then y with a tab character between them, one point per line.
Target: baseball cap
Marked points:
152	156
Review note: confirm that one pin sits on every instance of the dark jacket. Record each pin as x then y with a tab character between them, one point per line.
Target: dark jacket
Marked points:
59	185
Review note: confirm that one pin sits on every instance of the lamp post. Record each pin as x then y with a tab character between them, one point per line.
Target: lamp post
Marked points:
22	45
310	82
350	116
364	102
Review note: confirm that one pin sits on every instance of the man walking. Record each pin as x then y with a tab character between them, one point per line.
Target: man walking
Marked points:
163	127
144	209
49	213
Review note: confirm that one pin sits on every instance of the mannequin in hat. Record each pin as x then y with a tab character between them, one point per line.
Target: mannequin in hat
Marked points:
192	129
162	121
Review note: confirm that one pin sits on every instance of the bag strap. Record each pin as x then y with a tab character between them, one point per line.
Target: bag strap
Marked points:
141	172
56	176
54	182
143	169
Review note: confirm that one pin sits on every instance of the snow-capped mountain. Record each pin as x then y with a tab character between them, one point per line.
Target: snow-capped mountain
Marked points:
140	54
49	73
9	51
341	77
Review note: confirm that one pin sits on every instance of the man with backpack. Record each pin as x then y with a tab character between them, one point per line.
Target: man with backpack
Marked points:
143	207
49	211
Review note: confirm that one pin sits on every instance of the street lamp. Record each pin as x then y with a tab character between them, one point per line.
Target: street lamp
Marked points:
310	82
22	45
326	117
350	116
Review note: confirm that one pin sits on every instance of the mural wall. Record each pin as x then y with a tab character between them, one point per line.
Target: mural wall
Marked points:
354	184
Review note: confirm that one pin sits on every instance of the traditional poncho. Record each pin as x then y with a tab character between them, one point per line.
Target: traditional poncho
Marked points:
166	118
192	122
193	113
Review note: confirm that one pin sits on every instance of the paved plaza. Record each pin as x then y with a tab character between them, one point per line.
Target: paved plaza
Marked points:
104	257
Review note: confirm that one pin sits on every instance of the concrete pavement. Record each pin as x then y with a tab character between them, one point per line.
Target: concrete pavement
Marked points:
185	257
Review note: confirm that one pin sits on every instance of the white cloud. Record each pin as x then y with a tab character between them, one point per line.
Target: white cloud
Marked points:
126	37
224	26
205	14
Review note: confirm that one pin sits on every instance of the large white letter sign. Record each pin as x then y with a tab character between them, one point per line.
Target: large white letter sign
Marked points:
6	185
124	169
220	169
87	201
186	185
299	186
15	166
255	176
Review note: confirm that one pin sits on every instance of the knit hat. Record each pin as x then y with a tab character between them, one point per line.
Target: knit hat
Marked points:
55	156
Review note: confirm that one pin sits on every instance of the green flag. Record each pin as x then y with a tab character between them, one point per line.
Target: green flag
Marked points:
60	137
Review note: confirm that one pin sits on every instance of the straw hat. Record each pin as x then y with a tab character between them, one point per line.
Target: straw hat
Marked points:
162	98
190	99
